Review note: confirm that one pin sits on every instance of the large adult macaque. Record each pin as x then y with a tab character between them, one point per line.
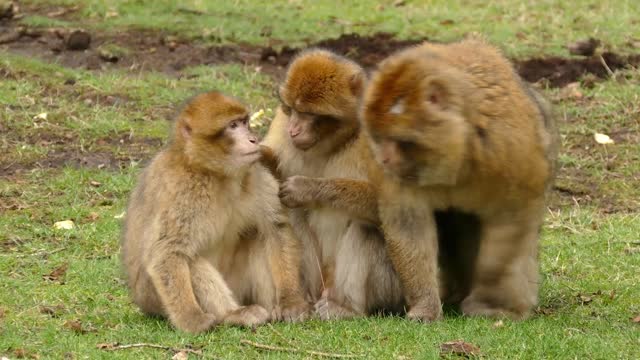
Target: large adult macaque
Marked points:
456	130
206	240
319	146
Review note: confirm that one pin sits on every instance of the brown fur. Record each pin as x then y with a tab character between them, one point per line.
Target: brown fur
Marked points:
455	128
327	186
206	240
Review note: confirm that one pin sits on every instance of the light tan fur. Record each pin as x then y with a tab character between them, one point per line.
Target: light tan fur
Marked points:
325	159
206	240
455	129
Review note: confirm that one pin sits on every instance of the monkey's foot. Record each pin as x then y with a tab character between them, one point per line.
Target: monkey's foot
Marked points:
475	307
293	313
328	309
196	322
248	316
427	310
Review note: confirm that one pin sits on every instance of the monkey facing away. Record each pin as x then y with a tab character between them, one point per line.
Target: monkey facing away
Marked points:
206	240
317	140
456	130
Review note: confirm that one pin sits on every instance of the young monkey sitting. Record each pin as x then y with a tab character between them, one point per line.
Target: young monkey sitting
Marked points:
205	239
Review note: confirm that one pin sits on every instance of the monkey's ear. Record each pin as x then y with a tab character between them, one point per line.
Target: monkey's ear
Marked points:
437	94
356	83
185	129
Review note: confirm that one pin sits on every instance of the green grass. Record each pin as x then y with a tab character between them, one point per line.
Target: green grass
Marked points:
523	28
590	250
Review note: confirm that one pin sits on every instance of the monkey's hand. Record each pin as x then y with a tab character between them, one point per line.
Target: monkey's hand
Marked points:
293	313
248	316
427	310
298	191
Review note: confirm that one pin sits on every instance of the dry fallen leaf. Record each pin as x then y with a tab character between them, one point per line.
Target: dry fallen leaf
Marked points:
459	348
585	299
53	311
571	91
603	139
57	273
64	225
93	216
76	326
2	312
95	183
498	324
41	116
180	355
636	319
107	346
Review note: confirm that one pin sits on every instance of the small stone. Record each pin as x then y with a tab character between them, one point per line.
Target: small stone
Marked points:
78	40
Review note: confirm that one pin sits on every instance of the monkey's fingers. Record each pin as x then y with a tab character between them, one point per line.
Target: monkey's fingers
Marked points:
298	312
248	316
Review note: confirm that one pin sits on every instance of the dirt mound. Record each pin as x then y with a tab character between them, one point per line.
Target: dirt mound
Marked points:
562	71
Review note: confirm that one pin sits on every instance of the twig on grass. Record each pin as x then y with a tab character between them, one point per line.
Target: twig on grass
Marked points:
606	67
116	346
296	350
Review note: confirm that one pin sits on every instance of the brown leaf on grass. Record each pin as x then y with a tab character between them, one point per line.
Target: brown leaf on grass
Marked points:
459	348
53	311
447	22
636	319
585	299
571	91
2	312
21	353
76	326
95	183
56	274
93	216
107	346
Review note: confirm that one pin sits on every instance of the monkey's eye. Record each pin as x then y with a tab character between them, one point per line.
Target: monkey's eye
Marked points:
406	146
233	125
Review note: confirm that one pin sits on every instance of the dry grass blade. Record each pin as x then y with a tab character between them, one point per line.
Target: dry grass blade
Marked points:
116	346
296	350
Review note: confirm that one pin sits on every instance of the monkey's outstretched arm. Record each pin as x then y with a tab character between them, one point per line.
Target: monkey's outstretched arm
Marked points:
359	198
269	160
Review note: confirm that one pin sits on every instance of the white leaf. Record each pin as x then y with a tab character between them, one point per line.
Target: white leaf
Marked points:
603	139
64	225
120	216
42	116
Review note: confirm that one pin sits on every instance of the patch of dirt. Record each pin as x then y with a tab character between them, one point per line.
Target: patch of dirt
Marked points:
113	153
147	50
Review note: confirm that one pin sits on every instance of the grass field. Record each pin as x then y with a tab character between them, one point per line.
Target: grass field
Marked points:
76	129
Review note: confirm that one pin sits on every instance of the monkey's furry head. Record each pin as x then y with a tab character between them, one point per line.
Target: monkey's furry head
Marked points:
202	133
321	82
414	111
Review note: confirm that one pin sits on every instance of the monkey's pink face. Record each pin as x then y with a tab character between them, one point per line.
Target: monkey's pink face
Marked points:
244	144
300	128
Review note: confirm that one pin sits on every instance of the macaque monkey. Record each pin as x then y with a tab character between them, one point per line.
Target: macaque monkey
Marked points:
321	151
206	240
458	132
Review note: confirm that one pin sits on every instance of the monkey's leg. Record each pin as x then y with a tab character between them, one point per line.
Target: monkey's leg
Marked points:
505	279
211	290
313	280
171	277
412	244
347	298
283	256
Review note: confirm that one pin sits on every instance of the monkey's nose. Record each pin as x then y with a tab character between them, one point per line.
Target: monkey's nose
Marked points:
253	139
294	133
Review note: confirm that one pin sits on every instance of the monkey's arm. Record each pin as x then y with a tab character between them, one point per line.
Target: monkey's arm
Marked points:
357	197
269	160
412	244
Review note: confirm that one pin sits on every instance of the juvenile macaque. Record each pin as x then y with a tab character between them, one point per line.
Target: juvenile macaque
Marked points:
206	240
321	151
459	135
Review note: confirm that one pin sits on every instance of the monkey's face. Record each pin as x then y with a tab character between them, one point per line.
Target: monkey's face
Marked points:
416	124
244	144
306	129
